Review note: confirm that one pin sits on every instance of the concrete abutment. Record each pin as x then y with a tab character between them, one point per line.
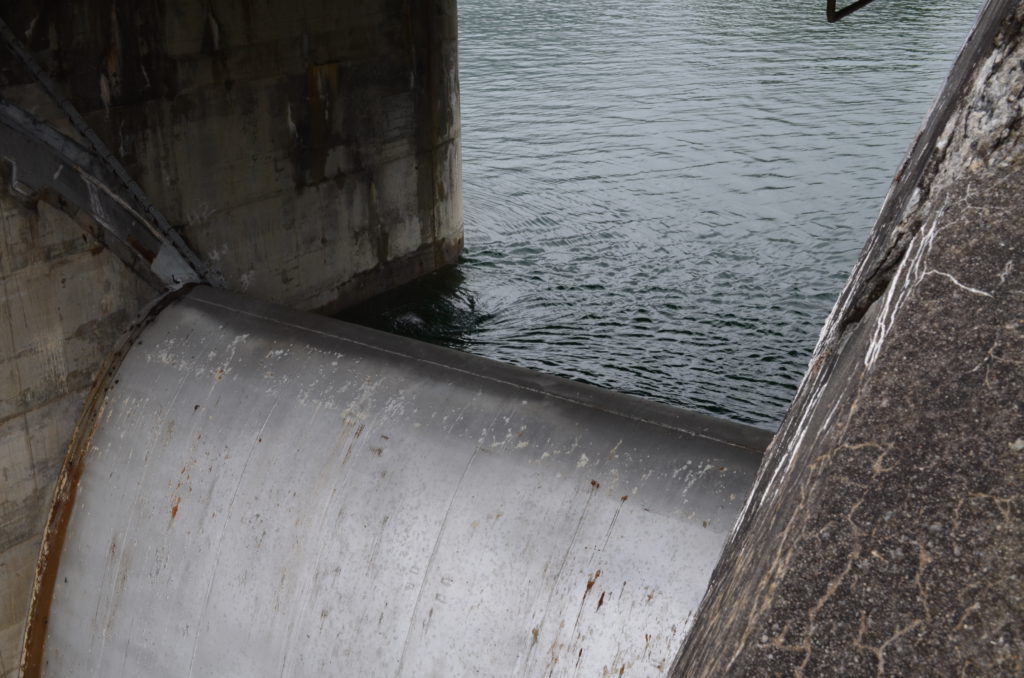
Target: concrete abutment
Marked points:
885	533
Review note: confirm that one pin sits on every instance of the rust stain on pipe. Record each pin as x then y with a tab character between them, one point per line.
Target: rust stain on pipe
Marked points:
67	489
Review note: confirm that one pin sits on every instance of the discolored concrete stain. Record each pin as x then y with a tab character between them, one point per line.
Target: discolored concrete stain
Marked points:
885	534
298	147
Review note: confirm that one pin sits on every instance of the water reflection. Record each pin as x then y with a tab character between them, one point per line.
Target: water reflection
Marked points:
665	197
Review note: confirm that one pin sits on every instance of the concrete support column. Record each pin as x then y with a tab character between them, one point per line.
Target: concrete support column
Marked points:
308	149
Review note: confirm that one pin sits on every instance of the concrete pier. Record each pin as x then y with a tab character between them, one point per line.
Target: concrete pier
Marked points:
885	534
308	151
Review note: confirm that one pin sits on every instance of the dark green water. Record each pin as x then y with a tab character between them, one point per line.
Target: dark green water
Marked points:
665	197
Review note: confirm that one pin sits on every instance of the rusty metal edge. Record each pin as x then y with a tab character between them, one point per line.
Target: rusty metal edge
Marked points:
67	486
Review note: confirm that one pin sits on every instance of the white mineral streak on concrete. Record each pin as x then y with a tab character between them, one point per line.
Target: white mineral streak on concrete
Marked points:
1007	269
783	466
910	272
292	129
214	31
105	92
967	288
830	330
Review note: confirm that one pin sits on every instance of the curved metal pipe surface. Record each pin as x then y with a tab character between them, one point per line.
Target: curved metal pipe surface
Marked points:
260	492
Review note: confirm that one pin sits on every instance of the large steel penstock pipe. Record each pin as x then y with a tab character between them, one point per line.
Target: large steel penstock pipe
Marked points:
259	492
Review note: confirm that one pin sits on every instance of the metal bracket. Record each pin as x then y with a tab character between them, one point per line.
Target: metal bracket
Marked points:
115	178
36	158
833	15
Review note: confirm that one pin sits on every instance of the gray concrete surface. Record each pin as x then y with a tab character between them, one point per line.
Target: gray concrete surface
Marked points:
885	534
308	150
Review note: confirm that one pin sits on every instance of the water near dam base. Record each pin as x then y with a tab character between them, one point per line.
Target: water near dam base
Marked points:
665	198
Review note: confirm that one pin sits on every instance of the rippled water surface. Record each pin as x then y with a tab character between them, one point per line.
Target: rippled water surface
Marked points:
665	197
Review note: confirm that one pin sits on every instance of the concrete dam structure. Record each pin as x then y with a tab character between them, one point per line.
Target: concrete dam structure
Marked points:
251	489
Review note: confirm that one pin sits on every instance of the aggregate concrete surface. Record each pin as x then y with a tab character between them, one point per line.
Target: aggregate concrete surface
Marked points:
885	535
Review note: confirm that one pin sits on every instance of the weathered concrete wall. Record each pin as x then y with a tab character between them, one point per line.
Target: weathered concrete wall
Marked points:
309	150
885	535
